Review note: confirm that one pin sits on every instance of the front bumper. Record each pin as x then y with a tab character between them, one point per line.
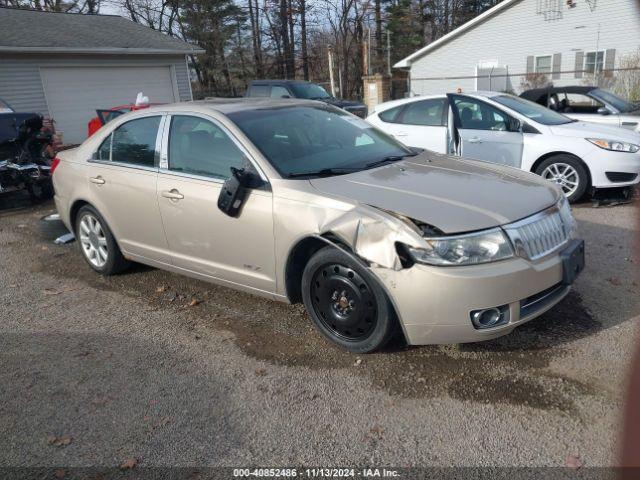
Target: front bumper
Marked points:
602	163
434	303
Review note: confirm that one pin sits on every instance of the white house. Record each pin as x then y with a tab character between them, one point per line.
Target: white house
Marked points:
566	40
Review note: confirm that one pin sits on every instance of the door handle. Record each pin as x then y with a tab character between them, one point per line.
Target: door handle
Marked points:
475	140
172	194
401	134
97	180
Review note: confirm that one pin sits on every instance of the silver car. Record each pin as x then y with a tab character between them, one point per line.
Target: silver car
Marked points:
299	201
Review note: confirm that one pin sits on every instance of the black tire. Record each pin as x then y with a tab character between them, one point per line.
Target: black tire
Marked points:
346	302
115	262
581	173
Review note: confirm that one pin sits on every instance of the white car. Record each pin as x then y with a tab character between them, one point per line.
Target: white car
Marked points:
508	130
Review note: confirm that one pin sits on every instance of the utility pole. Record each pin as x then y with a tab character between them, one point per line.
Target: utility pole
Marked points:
333	86
389	52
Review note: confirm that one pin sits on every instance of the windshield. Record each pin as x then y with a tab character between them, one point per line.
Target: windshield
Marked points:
615	101
532	110
310	91
316	140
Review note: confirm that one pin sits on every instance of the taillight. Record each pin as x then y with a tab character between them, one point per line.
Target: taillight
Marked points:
54	164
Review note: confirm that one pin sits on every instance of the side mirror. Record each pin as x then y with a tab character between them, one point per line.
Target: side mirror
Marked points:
603	111
234	190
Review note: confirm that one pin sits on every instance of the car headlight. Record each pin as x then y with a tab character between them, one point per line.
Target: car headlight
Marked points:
614	145
469	249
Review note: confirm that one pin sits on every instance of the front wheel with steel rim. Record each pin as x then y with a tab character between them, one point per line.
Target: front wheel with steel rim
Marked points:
568	173
97	244
346	302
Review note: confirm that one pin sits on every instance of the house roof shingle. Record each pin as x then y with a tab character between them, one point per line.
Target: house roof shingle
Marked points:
34	31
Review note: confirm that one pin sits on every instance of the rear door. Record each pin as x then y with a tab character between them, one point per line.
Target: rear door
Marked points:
122	178
421	124
486	132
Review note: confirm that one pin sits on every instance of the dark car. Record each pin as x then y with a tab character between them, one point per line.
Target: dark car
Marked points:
302	89
24	152
589	104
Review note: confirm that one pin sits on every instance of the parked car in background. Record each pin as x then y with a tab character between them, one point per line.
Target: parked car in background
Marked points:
300	201
590	104
25	152
509	130
303	90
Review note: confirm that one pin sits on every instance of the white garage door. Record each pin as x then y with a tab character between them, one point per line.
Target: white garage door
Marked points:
74	93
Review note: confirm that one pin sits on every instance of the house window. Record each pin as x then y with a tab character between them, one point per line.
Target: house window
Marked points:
594	62
543	64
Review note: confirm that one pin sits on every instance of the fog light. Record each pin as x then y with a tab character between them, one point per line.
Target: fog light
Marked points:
490	317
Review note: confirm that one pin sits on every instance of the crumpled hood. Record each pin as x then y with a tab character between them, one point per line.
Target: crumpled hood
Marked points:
451	194
596	130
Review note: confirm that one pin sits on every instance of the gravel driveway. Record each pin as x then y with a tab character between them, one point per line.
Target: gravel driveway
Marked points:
164	370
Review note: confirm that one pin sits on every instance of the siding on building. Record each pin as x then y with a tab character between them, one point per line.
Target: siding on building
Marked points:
21	85
519	32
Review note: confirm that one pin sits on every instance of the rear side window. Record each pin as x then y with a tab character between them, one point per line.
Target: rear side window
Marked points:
200	147
134	142
390	115
426	112
259	91
279	92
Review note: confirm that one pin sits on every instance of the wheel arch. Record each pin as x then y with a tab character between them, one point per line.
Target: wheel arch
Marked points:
298	257
546	156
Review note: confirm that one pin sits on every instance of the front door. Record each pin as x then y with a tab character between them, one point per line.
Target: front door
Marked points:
122	176
202	239
486	132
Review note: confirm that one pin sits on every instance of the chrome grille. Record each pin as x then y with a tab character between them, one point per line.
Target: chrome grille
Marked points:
538	235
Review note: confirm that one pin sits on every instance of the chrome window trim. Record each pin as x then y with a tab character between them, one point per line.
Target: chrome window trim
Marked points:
164	156
513	233
193	176
123	164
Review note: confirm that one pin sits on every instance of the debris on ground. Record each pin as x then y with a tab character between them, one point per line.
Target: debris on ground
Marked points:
62	441
129	464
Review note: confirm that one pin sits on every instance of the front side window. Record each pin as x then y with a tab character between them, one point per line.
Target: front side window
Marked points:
134	142
426	112
477	115
618	103
297	139
593	62
580	103
543	64
279	92
531	110
200	147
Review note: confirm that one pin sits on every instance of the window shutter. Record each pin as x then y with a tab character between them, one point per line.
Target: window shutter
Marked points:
557	66
530	64
579	66
609	62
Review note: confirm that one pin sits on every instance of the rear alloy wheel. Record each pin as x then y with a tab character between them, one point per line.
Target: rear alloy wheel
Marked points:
346	302
568	173
97	244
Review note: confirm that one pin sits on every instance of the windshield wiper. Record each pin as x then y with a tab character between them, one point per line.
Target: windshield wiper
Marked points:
325	172
390	158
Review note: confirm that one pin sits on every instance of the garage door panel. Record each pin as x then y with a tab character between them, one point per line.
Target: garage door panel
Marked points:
74	93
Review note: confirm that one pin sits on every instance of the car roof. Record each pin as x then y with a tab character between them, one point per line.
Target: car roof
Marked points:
231	105
537	92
